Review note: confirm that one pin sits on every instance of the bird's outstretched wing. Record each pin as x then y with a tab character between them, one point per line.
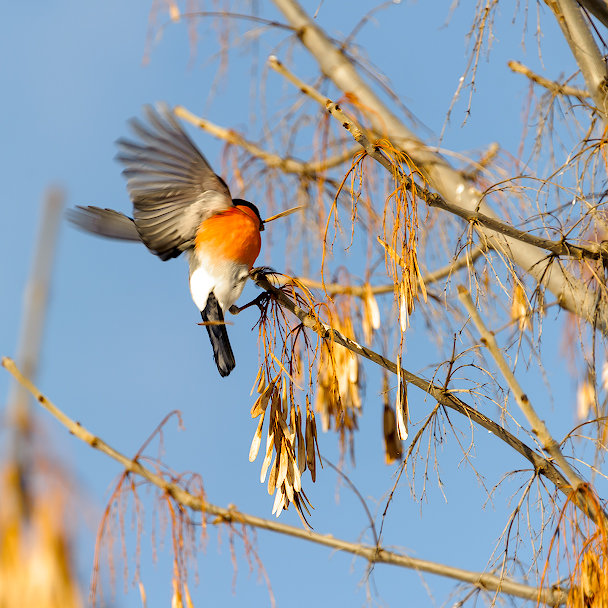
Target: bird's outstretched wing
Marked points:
170	182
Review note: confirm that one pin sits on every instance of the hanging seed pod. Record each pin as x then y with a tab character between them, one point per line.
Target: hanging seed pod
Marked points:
279	502
289	480
297	478
310	445
257	439
301	443
262	401
267	457
282	464
272	478
401	407
259	379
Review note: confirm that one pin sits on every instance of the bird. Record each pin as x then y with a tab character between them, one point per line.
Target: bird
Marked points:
181	206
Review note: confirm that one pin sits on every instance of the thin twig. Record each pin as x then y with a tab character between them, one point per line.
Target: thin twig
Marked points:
285	164
537	426
594	251
555	87
439	393
362	291
372	554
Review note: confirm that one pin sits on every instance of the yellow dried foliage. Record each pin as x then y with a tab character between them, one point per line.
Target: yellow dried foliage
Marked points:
582	546
35	548
520	308
400	224
337	398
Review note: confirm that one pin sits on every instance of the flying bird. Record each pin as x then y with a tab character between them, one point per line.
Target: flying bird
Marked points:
181	206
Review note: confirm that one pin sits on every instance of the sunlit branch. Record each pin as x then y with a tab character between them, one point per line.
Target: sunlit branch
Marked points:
287	165
598	9
555	87
373	554
561	247
537	425
439	393
362	291
572	294
584	49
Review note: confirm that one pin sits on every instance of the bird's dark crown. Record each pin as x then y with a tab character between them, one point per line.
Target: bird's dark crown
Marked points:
239	202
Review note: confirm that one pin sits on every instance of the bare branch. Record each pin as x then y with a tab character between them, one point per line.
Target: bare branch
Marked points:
537	426
555	87
287	165
440	394
373	555
452	186
598	8
584	49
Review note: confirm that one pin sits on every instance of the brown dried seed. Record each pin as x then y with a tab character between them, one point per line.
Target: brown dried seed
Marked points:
267	458
392	445
288	485
283	462
310	448
262	401
297	478
401	407
257	438
257	381
279	502
276	406
301	444
272	478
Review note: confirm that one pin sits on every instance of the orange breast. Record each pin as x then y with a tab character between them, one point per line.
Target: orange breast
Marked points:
231	235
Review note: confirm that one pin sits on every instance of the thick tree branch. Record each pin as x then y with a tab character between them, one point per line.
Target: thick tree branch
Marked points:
373	554
584	49
537	426
573	295
440	394
598	8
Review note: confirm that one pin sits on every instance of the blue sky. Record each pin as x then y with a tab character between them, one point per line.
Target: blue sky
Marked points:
121	345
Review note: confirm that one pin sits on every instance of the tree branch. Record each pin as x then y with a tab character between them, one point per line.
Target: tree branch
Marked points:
287	165
573	295
440	394
584	49
362	291
555	87
598	8
373	554
537	426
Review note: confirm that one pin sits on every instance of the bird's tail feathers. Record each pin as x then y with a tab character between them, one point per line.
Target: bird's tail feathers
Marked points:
105	222
222	351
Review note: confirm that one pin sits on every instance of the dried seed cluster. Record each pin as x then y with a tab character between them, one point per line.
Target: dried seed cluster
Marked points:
337	398
294	450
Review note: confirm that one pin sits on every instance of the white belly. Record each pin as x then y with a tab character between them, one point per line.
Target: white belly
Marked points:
225	279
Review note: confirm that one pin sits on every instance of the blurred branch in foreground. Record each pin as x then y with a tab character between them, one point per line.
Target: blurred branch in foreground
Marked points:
35	535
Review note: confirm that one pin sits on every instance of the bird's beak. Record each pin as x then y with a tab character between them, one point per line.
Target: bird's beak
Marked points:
284	213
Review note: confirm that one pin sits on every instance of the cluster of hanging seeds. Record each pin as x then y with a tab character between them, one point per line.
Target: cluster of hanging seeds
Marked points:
337	393
401	233
291	442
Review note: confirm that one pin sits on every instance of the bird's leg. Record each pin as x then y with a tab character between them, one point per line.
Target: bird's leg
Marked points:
258	301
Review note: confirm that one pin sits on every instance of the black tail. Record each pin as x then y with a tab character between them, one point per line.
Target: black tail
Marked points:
222	351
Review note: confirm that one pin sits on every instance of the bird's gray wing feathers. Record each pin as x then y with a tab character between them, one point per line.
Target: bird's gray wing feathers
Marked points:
105	222
170	182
